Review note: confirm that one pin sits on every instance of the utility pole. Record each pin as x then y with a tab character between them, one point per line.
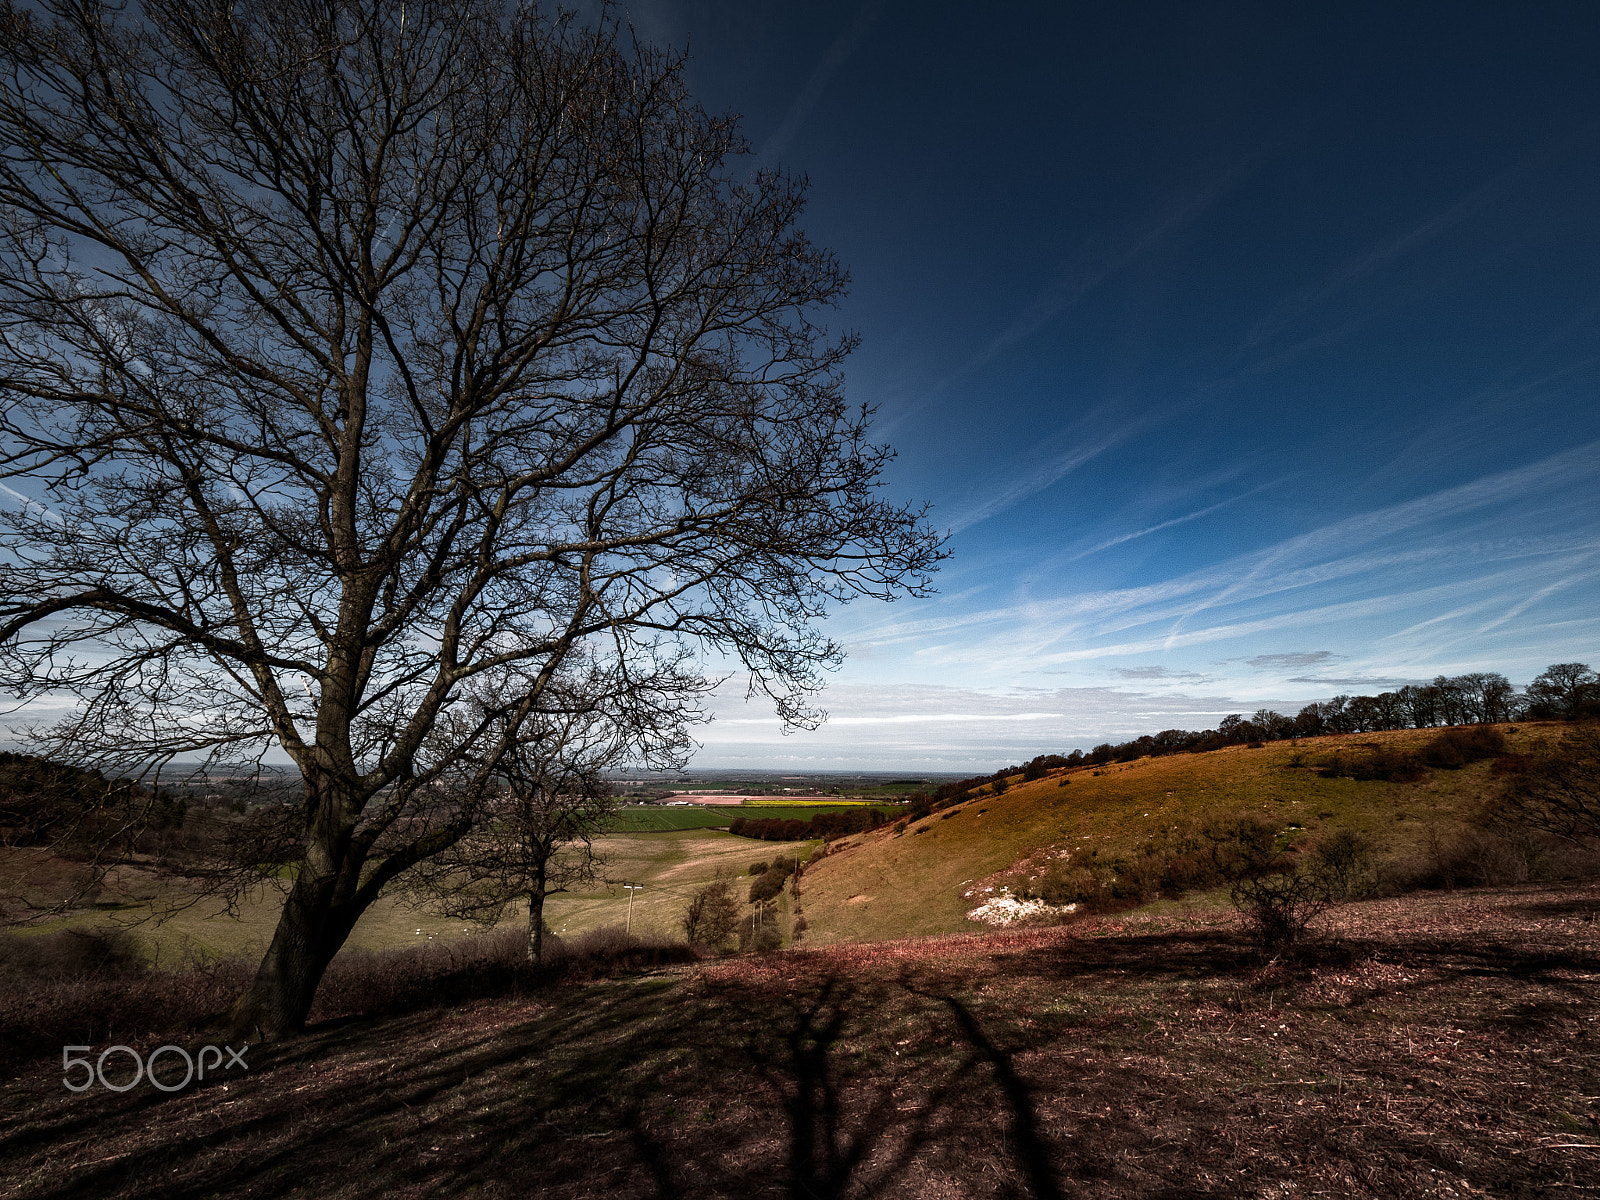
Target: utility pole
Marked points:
632	888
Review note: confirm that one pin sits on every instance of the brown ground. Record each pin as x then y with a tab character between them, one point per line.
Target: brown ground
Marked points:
1446	1046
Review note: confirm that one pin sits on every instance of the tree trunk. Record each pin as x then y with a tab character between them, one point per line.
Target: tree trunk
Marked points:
320	911
536	925
310	931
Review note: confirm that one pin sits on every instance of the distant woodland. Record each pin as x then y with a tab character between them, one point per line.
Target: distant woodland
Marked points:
1564	692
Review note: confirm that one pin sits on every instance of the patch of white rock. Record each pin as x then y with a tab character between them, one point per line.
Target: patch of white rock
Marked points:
1006	909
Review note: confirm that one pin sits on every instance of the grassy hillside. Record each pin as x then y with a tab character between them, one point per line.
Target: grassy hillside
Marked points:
670	864
888	885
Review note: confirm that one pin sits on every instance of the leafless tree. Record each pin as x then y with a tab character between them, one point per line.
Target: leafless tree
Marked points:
1565	691
712	917
351	352
532	826
1559	793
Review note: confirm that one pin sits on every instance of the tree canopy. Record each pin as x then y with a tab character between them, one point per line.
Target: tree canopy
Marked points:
353	352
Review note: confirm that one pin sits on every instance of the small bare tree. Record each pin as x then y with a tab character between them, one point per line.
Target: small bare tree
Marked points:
534	822
353	352
1558	793
712	917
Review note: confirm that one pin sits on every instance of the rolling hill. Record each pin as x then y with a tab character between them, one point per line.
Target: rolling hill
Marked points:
925	878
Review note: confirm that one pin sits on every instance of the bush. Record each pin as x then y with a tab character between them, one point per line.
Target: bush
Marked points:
1279	895
766	885
68	954
1392	766
1345	860
1281	904
1457	747
758	868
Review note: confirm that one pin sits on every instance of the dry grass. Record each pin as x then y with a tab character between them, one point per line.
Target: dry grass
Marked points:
883	885
1446	1046
671	865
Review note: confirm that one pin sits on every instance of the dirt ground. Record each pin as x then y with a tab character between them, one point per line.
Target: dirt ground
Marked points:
1441	1045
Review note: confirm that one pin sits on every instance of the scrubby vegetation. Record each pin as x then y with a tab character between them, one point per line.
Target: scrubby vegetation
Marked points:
1522	830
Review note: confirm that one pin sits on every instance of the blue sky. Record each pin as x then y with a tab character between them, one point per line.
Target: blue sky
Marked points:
1249	352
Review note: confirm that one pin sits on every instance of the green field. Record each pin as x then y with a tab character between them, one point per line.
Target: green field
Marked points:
651	818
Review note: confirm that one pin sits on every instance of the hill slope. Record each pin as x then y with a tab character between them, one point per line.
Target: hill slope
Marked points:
924	880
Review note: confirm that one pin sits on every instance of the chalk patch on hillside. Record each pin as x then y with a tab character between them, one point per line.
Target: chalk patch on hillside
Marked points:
1008	910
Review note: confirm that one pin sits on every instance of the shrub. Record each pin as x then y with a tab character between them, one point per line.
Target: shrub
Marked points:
766	885
1281	904
1392	766
1279	895
758	868
68	953
1457	747
1389	765
1345	860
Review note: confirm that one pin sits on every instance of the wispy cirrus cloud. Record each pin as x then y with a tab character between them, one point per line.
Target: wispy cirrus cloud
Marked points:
1419	578
1391	249
1173	521
1165	674
1095	264
1037	480
1309	658
886	726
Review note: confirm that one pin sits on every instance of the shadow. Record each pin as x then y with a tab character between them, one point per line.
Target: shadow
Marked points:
1043	1066
1030	1148
1587	908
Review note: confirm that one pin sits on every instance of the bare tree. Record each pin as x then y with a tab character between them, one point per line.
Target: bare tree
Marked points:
350	352
1559	793
712	917
1564	691
534	823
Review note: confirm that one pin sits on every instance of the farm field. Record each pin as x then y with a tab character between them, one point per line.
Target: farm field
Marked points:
652	818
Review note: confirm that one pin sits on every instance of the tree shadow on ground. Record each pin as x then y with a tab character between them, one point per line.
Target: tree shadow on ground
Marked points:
1043	1070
